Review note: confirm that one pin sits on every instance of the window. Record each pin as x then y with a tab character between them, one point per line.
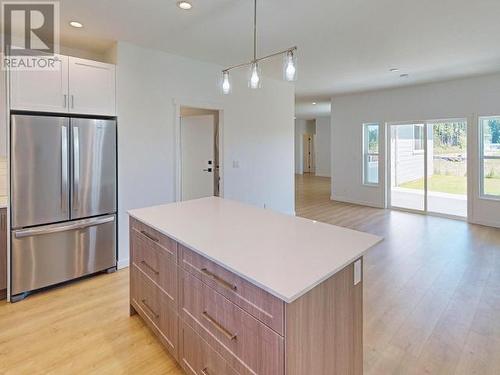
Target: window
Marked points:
490	156
371	154
418	137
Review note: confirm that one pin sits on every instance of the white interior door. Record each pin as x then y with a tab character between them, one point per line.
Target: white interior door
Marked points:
308	153
197	153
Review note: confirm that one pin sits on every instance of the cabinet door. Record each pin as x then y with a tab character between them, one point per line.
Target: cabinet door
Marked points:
92	87
45	91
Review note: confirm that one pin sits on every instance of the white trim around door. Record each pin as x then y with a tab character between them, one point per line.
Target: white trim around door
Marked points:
389	168
178	103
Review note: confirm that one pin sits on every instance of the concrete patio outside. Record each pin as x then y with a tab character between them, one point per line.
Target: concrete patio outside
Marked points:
442	203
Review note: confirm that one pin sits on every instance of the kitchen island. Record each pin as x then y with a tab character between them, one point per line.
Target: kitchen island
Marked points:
234	289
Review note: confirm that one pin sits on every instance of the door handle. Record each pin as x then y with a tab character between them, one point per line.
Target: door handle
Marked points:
145	303
231	336
154	239
76	167
207	170
64	167
143	262
56	228
219	280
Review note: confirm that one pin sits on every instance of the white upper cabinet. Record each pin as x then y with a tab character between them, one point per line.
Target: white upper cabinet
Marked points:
45	91
79	86
91	87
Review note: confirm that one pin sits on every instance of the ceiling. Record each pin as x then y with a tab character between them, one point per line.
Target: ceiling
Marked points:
344	45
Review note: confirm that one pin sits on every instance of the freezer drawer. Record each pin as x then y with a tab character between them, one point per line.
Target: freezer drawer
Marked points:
47	255
93	185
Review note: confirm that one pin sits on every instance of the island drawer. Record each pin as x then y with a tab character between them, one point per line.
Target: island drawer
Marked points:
249	346
154	237
156	308
257	302
156	262
197	357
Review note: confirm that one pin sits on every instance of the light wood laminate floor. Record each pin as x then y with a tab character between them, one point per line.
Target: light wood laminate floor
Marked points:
432	304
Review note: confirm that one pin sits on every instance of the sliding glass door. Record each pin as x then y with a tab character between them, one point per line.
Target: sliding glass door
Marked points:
428	164
408	166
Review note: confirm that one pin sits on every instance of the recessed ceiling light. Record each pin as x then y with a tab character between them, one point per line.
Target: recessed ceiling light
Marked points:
394	70
185	5
314	103
404	75
76	24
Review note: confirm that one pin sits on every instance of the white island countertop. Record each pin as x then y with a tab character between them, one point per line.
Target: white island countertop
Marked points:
284	255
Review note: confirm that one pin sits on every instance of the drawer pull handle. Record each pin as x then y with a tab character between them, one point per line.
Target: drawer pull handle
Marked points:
220	280
150	236
219	327
143	262
150	309
205	371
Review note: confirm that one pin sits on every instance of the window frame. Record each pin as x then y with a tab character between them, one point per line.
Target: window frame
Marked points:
421	139
483	157
366	154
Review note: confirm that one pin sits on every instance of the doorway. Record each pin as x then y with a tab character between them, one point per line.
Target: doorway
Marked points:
199	153
428	167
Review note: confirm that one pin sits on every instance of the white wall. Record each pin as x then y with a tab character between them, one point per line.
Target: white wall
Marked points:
259	137
465	98
323	146
258	133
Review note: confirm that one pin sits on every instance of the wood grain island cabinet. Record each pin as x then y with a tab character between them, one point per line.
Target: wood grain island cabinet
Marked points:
231	289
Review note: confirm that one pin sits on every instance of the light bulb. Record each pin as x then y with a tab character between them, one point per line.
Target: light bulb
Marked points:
226	86
290	66
254	76
290	72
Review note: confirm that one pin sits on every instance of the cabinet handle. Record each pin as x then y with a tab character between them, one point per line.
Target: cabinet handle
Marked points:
205	371
149	308
219	280
150	267
72	101
65	100
150	236
219	327
76	167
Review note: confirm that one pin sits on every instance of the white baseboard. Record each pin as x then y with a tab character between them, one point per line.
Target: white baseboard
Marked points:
485	223
353	201
123	263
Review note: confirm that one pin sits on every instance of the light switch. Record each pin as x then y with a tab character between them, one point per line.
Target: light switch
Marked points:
358	272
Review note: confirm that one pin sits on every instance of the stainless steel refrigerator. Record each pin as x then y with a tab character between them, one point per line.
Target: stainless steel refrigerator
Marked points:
63	200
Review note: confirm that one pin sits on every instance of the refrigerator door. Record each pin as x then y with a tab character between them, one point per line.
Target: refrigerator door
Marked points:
93	183
39	170
51	254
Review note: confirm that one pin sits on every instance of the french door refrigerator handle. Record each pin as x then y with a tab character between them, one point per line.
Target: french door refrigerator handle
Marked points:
76	167
64	168
81	224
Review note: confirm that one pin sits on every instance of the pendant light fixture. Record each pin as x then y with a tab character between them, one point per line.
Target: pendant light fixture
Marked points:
254	76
